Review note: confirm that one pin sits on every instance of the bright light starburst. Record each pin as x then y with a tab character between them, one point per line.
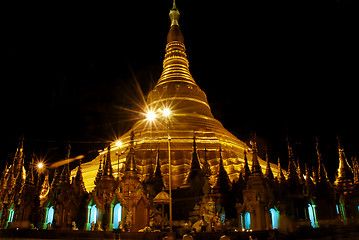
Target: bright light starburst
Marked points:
40	165
150	115
166	112
118	143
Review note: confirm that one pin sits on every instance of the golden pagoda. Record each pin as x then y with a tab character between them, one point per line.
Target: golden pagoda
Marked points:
188	114
214	176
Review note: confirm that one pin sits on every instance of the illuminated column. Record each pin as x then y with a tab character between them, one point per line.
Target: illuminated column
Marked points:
312	215
88	225
46	217
247	221
110	227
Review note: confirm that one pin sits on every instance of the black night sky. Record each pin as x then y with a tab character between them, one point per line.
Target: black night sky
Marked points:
273	67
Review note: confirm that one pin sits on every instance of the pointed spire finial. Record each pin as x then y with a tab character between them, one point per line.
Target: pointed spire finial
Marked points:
68	162
292	169
174	14
158	165
195	165
130	159
19	157
315	175
195	169
321	169
318	154
222	182
245	171
68	150
256	167
79	178
107	169
20	148
175	34
299	170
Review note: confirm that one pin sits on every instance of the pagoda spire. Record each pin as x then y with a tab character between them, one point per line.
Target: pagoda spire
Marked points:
344	176
175	63
292	169
195	166
65	174
68	150
222	182
195	161
19	158
79	178
344	170
322	173
176	79
20	148
158	173
55	179
245	171
355	170
107	169
174	14
130	159
30	176
157	179
67	167
299	171
315	175
65	177
175	33
256	167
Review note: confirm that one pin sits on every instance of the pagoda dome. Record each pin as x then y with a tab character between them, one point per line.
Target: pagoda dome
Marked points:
177	92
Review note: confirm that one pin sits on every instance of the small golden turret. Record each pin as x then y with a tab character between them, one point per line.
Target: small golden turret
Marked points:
344	175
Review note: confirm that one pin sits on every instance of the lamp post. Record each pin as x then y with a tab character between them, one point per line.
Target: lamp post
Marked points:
118	144
169	171
151	116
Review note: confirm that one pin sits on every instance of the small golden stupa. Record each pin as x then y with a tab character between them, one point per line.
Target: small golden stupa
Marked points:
177	109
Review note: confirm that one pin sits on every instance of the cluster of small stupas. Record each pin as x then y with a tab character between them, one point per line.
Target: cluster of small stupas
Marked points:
211	174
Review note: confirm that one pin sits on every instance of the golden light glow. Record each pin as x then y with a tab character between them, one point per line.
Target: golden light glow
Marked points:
151	115
166	112
118	143
40	165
